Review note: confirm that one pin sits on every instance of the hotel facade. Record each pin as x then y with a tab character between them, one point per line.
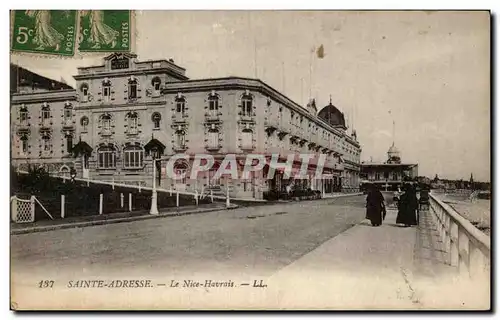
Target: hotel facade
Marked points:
125	113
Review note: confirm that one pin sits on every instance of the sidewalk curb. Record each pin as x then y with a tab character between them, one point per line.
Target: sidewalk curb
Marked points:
116	220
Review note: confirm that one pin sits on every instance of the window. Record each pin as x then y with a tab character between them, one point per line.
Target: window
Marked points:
211	180
23	115
246	139
106	157
106	90
133	157
180	139
156	120
156	82
132	123
213	105
106	122
84	121
46	143
386	175
68	113
395	176
213	138
181	173
180	105
132	89
84	88
45	115
69	143
24	144
246	104
377	176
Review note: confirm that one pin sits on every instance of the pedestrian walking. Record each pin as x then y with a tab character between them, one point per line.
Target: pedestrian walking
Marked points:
375	206
408	207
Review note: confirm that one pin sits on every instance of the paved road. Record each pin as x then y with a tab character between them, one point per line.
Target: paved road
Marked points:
256	239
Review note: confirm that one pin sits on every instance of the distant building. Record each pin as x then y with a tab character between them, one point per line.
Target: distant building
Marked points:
390	174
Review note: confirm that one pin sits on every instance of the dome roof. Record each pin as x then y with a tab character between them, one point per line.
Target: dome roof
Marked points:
393	149
332	115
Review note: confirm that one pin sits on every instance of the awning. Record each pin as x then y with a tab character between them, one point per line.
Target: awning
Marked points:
154	144
81	148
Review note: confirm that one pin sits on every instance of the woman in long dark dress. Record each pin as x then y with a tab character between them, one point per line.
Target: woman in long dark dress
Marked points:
408	207
374	206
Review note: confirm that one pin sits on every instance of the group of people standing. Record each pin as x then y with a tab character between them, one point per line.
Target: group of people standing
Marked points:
408	206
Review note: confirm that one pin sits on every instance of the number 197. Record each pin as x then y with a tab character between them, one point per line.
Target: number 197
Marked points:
46	284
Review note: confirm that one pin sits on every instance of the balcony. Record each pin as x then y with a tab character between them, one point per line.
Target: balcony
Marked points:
132	131
180	148
106	132
23	127
213	116
179	118
68	124
213	147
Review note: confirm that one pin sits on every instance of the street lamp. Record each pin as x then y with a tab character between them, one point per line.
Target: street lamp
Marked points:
154	194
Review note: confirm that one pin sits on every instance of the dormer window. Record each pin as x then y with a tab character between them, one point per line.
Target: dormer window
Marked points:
132	88
246	105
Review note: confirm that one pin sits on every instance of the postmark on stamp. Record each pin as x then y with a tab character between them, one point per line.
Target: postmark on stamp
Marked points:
105	30
44	31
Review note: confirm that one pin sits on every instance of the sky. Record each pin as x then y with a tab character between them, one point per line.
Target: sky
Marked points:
428	72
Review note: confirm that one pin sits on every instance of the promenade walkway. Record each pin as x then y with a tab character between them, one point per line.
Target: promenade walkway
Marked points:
387	267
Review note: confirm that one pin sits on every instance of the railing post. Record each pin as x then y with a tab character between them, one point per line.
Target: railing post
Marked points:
463	253
101	199
113	183
477	263
177	198
32	201
139	188
196	197
14	208
170	190
62	206
454	244
130	202
121	200
88	181
211	195
227	197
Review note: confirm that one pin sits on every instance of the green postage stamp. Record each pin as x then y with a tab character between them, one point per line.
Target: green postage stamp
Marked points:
44	31
104	30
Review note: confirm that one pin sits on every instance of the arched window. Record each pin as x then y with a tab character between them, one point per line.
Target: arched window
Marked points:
106	89
84	122
156	83
246	105
246	139
132	89
106	157
133	157
180	140
84	89
156	118
64	171
180	105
